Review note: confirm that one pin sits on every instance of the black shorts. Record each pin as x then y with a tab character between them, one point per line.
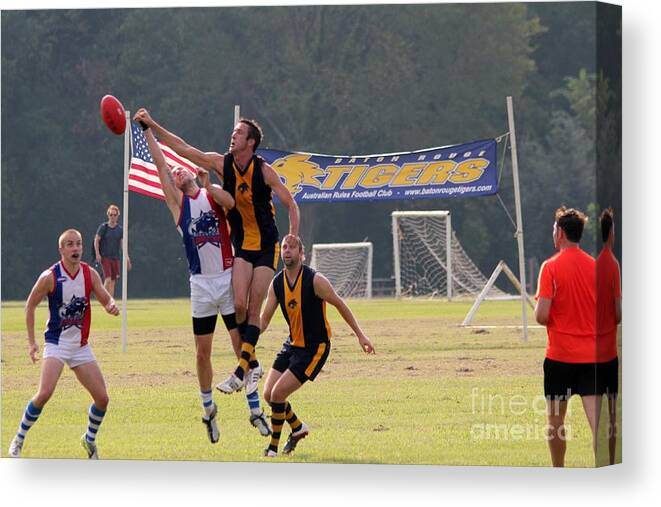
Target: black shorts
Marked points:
607	378
268	257
562	380
304	363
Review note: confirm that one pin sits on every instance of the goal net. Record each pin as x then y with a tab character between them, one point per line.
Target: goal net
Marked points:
348	267
430	261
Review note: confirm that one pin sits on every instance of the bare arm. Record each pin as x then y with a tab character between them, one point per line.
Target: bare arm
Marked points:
269	309
324	290
222	197
542	310
102	295
97	251
42	287
172	194
273	180
209	160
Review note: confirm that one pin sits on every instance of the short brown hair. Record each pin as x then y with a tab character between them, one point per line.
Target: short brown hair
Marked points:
290	237
606	223
254	131
571	221
60	240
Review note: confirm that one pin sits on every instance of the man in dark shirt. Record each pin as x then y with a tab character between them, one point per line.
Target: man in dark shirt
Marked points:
107	246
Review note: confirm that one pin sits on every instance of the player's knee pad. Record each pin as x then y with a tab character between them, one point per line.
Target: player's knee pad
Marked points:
230	321
204	325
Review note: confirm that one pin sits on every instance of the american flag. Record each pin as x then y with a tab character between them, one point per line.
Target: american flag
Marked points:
143	175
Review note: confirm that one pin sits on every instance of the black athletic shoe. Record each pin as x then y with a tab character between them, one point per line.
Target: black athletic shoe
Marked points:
294	438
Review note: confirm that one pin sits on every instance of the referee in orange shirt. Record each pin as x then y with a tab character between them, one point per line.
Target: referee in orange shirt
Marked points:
566	301
609	315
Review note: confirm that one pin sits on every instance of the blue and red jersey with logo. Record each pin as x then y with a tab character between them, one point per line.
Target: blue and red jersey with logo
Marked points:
203	228
69	309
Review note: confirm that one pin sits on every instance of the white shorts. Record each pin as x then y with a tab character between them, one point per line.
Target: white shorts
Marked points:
71	354
211	295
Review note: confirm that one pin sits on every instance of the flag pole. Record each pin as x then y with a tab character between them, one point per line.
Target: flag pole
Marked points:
237	114
519	220
125	225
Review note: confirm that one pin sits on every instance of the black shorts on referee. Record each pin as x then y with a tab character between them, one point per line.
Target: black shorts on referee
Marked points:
562	380
304	363
607	378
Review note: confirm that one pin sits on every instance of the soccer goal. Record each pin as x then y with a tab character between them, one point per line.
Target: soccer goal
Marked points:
430	261
348	266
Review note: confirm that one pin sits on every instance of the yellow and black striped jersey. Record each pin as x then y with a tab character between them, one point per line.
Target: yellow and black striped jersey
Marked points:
252	220
303	310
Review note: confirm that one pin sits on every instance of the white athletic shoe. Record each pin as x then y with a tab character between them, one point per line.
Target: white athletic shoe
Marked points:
259	421
294	438
90	447
231	385
268	453
252	379
212	427
15	448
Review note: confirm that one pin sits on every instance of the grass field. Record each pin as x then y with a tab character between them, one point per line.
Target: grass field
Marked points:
434	393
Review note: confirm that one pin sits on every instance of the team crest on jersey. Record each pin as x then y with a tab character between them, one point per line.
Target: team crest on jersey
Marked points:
204	229
292	304
72	313
243	188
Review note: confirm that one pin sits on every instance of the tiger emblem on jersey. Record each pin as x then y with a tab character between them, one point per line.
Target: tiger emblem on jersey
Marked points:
72	313
204	229
292	304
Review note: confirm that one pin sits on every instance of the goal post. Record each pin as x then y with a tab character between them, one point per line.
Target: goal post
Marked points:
348	266
429	260
396	220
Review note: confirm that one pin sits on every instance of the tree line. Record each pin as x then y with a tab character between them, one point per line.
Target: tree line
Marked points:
325	79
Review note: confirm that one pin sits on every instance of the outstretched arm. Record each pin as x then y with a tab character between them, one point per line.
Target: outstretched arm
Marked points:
209	160
42	287
102	295
273	180
324	290
172	194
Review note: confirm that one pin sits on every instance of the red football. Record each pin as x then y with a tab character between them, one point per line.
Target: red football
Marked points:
112	112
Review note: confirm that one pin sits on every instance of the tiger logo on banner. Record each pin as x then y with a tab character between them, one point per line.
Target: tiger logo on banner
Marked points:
298	170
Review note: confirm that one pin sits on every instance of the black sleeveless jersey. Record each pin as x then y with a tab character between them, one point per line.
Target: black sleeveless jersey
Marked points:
252	220
303	310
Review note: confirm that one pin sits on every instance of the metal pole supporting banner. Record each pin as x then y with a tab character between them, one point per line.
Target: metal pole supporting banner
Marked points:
237	114
519	220
125	226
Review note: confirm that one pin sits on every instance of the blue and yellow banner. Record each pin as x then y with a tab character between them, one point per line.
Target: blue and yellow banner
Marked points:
451	171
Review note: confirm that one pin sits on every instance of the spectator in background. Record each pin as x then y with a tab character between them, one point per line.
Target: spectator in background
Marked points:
107	247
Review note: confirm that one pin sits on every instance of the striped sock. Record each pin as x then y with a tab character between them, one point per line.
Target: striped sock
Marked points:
253	403
277	420
294	422
253	363
30	417
95	418
247	350
207	401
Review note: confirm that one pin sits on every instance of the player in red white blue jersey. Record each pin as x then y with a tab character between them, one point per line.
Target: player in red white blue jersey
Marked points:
199	215
67	285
